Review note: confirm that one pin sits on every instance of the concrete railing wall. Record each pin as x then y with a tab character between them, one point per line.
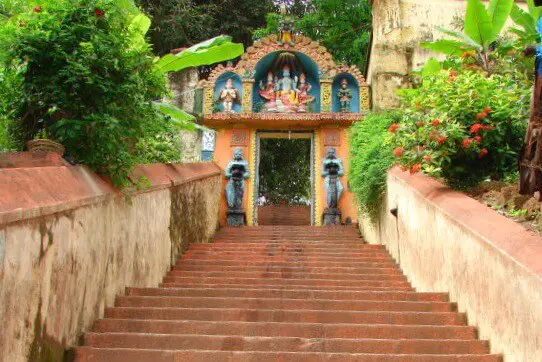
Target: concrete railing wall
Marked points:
448	242
70	243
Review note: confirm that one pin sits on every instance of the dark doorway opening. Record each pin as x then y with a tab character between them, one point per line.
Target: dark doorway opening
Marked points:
285	181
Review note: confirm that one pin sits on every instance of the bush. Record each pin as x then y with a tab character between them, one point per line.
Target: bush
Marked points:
370	158
463	125
86	77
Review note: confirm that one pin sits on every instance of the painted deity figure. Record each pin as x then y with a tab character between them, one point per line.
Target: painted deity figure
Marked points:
345	96
229	95
237	172
332	169
286	95
267	92
286	28
303	96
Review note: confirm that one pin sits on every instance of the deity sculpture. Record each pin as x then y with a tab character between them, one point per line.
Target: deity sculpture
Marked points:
267	92
345	96
303	96
286	95
332	169
229	95
236	172
286	27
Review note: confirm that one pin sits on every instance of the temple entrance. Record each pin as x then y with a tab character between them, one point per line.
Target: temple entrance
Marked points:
285	178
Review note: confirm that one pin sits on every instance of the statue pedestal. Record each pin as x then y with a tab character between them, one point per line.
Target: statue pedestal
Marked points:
236	217
332	217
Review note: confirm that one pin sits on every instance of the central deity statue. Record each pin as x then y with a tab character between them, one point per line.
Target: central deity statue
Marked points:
236	172
287	94
332	169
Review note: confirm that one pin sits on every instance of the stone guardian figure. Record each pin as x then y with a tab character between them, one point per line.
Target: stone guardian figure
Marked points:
332	169
237	172
345	96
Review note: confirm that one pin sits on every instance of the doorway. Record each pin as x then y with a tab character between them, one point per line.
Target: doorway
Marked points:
284	178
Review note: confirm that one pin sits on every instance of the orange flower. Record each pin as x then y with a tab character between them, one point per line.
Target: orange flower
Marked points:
481	115
436	122
466	142
453	73
398	152
483	152
394	127
488	128
37	9
441	139
419	124
469	54
478	139
487	109
475	128
99	13
428	158
415	168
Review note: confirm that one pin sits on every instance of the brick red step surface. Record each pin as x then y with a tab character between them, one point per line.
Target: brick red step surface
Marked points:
288	293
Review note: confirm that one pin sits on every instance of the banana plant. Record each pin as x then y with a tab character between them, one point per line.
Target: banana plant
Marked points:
527	20
482	27
215	50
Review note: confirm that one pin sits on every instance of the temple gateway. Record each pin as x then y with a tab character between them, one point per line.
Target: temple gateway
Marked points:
286	86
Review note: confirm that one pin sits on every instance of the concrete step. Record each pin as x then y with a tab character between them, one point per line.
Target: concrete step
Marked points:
281	303
283	329
289	294
285	274
285	269
289	286
288	316
289	282
291	263
89	354
290	252
291	258
285	344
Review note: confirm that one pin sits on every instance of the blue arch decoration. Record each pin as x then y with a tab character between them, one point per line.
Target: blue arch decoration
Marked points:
309	67
221	83
352	85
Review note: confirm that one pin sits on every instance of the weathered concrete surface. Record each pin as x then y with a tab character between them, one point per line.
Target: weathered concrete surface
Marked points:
399	27
70	245
183	85
448	242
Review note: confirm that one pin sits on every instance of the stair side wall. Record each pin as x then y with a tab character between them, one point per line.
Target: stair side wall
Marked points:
69	244
448	242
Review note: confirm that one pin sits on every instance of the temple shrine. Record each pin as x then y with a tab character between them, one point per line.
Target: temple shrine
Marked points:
285	86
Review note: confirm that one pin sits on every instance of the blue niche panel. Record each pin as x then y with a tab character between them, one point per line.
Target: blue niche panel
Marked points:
272	63
221	83
352	85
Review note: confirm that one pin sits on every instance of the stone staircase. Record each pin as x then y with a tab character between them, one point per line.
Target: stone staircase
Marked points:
284	293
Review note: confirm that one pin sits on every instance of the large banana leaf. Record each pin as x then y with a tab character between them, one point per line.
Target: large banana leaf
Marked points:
139	26
179	118
523	19
212	51
462	37
478	25
446	46
499	10
534	10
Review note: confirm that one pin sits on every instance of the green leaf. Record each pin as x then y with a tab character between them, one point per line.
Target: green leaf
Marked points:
138	28
432	66
523	19
214	50
478	25
458	35
448	47
499	10
179	118
534	10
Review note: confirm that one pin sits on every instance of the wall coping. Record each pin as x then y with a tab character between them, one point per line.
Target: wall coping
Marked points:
31	192
509	238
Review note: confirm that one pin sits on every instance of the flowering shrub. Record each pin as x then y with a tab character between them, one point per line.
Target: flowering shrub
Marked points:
462	125
85	76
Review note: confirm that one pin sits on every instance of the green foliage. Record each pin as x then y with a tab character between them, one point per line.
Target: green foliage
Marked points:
481	28
85	77
370	158
182	23
527	21
463	125
285	170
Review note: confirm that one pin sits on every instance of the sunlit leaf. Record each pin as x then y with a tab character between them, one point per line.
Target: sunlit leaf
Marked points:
478	25
179	118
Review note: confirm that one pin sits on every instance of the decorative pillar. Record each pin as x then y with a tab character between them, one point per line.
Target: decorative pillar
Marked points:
208	99
248	86
365	98
252	150
318	181
326	95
